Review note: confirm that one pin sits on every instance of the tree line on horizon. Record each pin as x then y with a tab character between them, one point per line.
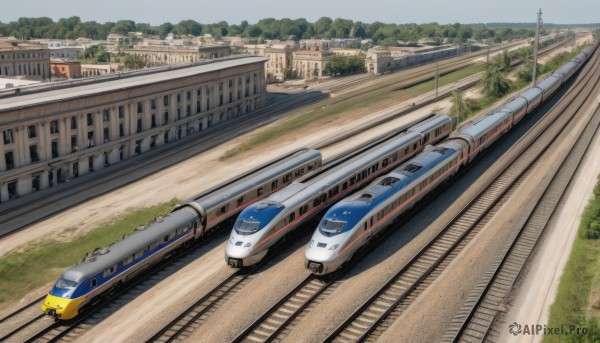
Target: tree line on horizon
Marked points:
385	34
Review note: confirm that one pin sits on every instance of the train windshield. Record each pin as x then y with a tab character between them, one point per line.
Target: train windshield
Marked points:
246	226
64	283
331	227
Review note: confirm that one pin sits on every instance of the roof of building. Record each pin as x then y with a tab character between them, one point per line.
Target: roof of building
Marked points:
104	86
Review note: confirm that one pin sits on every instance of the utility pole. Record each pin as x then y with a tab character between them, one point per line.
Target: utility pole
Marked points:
535	49
437	78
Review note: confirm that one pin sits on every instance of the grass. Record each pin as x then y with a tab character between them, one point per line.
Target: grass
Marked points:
558	60
41	262
578	298
336	107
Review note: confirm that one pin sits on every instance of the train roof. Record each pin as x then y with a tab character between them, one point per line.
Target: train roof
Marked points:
515	104
356	206
314	185
478	128
430	123
129	245
531	93
549	82
257	178
101	87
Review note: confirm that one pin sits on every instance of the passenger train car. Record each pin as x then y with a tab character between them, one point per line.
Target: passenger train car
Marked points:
107	268
349	224
262	224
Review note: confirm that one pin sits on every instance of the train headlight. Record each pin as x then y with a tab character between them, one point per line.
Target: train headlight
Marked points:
247	245
312	242
333	247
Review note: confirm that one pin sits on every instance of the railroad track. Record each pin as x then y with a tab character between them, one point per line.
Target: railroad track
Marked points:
279	317
182	326
370	320
474	321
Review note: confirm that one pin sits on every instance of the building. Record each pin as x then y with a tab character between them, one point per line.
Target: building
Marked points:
347	52
378	61
280	62
315	44
52	136
99	69
64	68
163	55
31	61
309	64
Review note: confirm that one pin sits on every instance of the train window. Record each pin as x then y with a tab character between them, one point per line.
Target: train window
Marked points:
303	209
344	186
310	167
179	231
165	238
316	202
364	174
371	223
384	163
240	201
292	216
414	146
128	260
302	171
365	226
407	150
352	180
274	185
323	197
152	245
94	283
109	271
224	209
259	192
138	254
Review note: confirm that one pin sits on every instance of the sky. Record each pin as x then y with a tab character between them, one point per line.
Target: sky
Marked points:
157	12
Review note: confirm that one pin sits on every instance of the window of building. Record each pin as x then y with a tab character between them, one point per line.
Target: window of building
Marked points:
189	95
106	115
73	123
166	117
74	145
166	100
91	163
9	159
54	148
178	98
31	131
121	111
153	104
90	119
91	139
139	125
106	134
140	107
153	123
8	136
54	126
33	154
121	130
35	183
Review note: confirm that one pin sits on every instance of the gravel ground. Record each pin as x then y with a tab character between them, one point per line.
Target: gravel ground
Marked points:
531	300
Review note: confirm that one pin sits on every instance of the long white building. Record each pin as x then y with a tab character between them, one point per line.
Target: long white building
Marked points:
55	135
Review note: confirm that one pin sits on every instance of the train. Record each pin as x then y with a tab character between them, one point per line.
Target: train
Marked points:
264	223
106	269
351	223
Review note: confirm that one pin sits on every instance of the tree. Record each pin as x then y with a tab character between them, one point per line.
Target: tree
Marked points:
133	62
322	26
494	83
461	107
123	27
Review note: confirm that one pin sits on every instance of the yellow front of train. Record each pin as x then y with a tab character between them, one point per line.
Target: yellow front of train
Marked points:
65	299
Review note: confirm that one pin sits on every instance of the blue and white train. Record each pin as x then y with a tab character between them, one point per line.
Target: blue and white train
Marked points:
262	224
350	224
107	268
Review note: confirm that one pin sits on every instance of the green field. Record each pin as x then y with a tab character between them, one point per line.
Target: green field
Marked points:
39	263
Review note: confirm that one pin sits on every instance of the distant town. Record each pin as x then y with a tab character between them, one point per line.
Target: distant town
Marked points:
36	50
